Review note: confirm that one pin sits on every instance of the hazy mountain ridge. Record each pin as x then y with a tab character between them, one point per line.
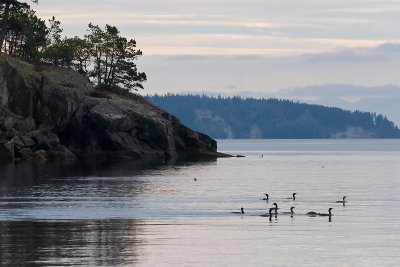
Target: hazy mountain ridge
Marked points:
236	117
383	99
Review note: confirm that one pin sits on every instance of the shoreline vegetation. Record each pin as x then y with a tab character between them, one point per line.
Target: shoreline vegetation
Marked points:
251	118
103	55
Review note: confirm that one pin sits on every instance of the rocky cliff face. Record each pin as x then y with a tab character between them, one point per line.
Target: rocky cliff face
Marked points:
49	112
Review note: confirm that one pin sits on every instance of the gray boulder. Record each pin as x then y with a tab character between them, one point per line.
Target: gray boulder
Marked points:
25	153
27	141
26	125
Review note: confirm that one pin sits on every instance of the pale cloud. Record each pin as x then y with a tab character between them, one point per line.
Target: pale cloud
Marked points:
270	27
215	44
363	66
201	50
345	43
386	9
384	53
342	91
133	18
333	20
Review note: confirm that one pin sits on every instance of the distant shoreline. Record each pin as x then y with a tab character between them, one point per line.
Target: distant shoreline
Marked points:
253	118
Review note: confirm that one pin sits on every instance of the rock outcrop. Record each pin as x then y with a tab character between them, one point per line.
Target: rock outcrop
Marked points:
55	113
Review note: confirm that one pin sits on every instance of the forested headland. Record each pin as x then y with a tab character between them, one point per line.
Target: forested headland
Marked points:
64	98
236	117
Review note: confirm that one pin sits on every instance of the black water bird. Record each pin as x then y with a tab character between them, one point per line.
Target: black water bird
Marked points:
239	212
312	213
326	214
276	208
293	197
267	197
342	201
291	212
269	214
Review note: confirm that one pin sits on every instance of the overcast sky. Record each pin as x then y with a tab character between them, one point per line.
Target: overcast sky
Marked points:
248	45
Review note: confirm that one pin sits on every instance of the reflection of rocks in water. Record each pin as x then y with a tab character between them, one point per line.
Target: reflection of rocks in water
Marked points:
27	181
83	242
31	173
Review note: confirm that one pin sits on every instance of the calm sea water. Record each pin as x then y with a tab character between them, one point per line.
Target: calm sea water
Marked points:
123	215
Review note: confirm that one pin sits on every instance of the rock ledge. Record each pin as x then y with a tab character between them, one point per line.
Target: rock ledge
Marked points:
54	113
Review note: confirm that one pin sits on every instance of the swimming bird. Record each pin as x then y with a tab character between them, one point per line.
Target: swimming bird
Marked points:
239	212
326	214
276	208
269	214
291	211
267	197
294	196
342	201
195	179
312	213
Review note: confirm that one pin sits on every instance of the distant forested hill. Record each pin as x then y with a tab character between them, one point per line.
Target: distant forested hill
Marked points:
236	117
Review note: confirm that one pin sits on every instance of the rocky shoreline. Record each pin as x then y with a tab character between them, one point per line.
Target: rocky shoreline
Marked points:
55	113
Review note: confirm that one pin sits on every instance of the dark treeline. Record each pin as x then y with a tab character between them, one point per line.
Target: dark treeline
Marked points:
106	57
236	117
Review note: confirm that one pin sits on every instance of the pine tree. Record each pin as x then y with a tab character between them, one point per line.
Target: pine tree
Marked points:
6	5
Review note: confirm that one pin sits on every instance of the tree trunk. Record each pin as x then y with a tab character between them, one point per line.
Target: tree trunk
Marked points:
4	24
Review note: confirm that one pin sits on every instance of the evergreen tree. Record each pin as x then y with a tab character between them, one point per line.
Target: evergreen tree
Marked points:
108	58
26	34
5	6
114	59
